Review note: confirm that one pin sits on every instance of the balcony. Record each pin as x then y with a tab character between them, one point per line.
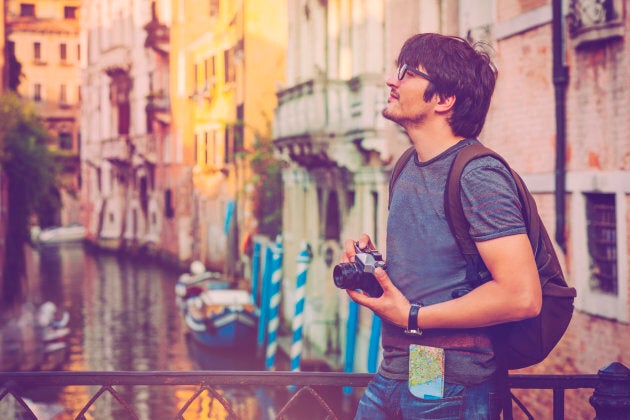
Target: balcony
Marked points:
117	150
319	118
158	102
145	148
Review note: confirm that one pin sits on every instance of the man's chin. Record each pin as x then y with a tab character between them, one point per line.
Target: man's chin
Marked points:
388	114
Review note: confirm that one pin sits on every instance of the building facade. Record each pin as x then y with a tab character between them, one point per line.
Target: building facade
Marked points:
125	124
227	58
558	116
43	36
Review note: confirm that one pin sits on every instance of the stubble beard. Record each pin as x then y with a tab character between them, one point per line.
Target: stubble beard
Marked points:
401	120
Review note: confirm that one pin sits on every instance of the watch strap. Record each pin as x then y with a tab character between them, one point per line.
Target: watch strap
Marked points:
412	321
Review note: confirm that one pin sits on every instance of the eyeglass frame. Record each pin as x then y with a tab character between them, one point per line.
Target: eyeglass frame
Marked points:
402	71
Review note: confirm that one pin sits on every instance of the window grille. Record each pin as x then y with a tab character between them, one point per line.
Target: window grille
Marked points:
602	242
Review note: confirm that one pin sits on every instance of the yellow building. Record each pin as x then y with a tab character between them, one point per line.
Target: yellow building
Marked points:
227	58
44	36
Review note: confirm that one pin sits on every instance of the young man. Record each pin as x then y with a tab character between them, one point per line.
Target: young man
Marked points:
440	95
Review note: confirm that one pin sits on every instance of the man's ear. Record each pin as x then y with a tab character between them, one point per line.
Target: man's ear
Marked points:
444	103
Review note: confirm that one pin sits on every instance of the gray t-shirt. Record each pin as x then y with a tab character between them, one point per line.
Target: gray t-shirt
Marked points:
424	262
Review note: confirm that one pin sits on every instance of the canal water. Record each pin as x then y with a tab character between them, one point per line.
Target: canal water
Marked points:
124	317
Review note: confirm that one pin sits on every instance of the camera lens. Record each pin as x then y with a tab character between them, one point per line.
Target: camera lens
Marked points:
345	275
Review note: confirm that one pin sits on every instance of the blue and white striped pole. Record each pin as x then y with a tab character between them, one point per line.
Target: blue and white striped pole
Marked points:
351	340
274	304
303	259
256	294
264	300
375	339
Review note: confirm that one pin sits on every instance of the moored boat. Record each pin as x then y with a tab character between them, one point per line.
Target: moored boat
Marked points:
68	233
216	314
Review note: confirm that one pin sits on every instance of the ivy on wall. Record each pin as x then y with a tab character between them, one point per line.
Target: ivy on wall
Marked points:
267	187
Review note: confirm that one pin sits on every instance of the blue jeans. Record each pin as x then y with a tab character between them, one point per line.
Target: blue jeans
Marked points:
390	399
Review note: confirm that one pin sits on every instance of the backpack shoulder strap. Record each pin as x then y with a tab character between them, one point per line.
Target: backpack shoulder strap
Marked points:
453	205
398	167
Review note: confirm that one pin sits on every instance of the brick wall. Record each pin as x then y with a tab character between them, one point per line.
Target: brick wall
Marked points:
521	125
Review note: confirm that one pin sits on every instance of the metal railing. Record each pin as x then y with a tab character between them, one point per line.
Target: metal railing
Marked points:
611	387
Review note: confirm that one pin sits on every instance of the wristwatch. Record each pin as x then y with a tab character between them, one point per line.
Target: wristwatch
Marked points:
412	322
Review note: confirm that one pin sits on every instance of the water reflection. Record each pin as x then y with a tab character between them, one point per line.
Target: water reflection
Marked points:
123	317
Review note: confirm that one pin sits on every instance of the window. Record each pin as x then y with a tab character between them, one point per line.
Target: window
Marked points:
206	148
214	8
196	150
27	10
229	146
120	87
205	75
239	130
196	77
37	51
63	94
70	12
598	224
37	92
332	230
602	242
210	63
63	52
169	210
228	65
65	141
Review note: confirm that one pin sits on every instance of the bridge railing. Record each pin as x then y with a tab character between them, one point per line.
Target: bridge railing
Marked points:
610	399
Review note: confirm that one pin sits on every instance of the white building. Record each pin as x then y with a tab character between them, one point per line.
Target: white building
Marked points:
124	121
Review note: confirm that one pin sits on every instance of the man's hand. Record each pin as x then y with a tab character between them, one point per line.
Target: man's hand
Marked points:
364	243
391	306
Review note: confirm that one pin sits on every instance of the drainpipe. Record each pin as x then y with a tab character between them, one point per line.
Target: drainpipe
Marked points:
560	81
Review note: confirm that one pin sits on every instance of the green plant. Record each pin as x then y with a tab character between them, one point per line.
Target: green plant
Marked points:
31	184
267	187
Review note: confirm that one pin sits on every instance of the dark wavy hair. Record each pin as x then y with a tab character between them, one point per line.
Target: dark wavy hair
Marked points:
457	68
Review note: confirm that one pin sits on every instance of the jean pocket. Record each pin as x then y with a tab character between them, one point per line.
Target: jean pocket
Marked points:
448	407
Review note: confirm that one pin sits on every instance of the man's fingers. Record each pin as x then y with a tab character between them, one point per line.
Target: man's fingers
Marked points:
381	276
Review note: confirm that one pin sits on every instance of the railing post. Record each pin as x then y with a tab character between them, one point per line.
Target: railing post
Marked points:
611	398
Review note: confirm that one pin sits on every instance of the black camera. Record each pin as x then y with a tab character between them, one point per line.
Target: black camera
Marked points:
360	273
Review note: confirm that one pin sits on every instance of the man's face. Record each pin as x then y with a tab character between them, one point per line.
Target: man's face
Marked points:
405	104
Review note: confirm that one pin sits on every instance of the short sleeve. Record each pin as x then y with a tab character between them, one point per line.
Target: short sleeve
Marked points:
490	200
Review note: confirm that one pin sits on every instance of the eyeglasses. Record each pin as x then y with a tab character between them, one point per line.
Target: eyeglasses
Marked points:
402	70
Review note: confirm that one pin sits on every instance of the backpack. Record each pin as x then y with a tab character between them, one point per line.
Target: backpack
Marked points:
526	342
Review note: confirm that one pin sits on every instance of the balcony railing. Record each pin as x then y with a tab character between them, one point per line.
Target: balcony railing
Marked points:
116	149
611	397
